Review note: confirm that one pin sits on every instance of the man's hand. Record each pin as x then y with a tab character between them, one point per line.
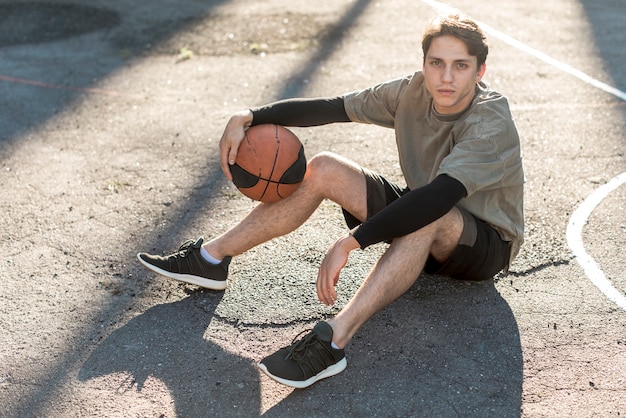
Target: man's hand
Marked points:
233	134
328	274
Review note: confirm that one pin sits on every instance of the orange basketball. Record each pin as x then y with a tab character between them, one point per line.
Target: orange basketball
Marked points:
270	163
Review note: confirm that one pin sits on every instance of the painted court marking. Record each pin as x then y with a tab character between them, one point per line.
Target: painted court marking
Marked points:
581	215
575	240
17	80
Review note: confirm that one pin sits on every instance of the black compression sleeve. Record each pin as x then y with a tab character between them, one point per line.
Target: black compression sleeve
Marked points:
301	112
412	211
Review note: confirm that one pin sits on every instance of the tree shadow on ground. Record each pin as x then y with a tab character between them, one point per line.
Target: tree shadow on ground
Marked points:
606	19
72	70
167	342
445	348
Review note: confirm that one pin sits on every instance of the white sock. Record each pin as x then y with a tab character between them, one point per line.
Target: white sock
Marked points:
333	345
208	257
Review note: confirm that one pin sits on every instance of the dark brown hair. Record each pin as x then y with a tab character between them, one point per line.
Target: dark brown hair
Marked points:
462	28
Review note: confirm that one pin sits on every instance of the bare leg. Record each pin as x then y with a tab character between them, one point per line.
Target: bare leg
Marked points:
396	271
328	176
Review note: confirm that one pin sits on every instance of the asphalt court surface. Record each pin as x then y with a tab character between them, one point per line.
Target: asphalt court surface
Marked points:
111	115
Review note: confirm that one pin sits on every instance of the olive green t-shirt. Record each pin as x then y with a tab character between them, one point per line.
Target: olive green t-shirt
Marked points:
480	147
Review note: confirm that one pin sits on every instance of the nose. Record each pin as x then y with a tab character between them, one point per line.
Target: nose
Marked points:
447	74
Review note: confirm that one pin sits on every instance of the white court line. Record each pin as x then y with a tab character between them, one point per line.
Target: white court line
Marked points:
535	53
583	212
575	240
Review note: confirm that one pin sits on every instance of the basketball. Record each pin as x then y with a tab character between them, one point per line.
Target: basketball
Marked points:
270	163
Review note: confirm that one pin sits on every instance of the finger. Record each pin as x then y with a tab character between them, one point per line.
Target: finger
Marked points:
329	300
324	288
226	168
229	154
321	293
232	156
331	296
224	149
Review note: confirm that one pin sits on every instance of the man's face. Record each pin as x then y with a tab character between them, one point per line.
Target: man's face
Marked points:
451	74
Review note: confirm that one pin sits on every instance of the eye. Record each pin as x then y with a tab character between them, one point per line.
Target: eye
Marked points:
435	63
461	66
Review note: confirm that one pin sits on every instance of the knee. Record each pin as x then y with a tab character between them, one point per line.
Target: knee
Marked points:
322	164
447	234
328	170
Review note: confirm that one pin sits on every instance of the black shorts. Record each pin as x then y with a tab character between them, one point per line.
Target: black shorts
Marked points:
481	252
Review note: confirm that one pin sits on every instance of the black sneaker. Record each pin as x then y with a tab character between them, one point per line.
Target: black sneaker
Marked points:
306	361
187	265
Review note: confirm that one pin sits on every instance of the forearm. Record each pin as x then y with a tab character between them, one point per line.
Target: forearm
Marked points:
301	112
411	212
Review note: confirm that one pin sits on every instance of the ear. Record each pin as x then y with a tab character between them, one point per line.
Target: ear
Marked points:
481	72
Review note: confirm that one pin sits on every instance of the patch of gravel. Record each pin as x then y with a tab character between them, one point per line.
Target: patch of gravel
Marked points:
227	35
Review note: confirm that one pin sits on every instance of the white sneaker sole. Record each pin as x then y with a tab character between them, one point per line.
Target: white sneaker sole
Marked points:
187	278
327	372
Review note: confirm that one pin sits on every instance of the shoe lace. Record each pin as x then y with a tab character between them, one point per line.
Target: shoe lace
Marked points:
186	246
308	349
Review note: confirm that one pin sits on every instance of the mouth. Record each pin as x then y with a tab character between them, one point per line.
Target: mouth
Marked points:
445	92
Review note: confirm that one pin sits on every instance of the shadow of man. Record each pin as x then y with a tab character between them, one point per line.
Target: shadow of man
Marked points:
445	348
167	342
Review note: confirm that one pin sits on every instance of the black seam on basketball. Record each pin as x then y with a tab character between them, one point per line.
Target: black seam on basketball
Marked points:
295	173
273	164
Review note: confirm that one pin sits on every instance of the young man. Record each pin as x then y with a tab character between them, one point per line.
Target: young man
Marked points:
460	214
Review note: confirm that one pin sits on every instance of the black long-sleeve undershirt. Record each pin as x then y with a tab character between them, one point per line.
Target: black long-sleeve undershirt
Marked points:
302	112
412	211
